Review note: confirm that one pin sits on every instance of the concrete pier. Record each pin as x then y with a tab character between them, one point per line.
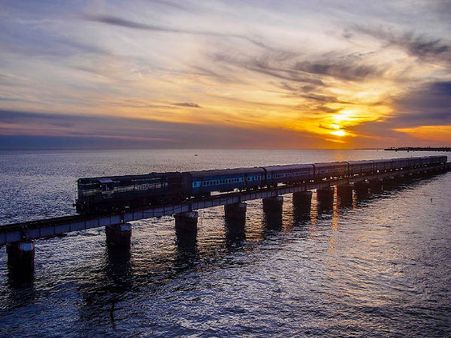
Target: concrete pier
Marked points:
273	205
119	235
302	202
389	182
361	189
235	221
402	179
272	208
186	230
21	258
344	193
407	178
186	223
376	186
325	198
235	213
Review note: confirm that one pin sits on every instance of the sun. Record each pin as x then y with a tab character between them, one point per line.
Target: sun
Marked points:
340	133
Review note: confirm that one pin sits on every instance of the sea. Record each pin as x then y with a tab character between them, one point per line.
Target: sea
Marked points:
380	267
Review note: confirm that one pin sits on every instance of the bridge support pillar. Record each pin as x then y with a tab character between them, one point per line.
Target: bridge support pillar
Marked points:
325	198
361	189
376	186
235	214
302	202
389	182
402	178
273	205
344	192
409	177
235	221
186	223
119	235
21	258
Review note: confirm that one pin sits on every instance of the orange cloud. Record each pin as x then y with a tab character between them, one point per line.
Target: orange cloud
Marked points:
434	134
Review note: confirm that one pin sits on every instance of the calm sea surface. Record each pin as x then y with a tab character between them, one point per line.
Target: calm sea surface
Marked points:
379	268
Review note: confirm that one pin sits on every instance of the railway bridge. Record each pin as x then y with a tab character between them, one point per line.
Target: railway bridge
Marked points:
19	238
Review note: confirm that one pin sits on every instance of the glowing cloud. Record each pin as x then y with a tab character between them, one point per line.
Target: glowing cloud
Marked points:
330	73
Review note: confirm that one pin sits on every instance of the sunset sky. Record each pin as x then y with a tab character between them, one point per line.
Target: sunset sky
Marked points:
239	74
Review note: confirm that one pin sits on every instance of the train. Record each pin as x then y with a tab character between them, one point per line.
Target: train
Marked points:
117	193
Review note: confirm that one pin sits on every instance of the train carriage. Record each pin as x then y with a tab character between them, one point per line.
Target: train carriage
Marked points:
382	165
360	167
330	170
401	163
289	174
438	160
205	182
425	161
114	193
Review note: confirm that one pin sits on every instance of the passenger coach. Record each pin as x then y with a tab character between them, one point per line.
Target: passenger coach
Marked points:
116	193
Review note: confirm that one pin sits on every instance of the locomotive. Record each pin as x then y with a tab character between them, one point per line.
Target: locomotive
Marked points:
114	193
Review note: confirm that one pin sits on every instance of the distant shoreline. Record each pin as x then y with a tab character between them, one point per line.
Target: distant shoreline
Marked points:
418	149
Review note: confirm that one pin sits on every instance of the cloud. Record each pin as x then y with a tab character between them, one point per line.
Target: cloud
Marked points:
222	63
343	69
430	104
187	104
422	116
125	23
299	68
422	46
23	130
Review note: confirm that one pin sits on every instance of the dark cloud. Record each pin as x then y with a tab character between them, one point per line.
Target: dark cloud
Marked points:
117	21
187	104
428	105
344	70
23	130
121	22
421	46
294	68
264	65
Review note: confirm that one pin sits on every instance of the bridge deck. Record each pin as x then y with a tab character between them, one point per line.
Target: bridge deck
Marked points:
51	227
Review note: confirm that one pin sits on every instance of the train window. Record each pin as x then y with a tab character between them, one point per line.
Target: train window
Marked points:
88	192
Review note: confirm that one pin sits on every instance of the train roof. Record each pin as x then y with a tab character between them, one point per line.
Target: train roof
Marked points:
329	164
288	167
109	179
226	172
361	162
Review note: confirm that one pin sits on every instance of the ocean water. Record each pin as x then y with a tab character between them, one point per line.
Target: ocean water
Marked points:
381	267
